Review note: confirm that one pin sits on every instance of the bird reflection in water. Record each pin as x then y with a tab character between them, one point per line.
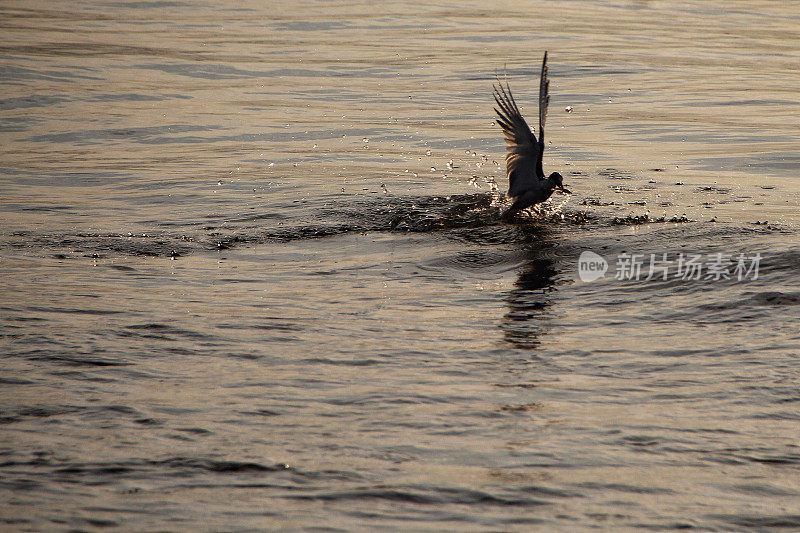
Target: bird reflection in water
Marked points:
528	302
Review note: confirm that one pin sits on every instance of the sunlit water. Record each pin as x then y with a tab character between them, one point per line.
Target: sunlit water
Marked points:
253	276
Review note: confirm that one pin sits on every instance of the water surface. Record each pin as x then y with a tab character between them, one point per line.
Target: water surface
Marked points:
253	276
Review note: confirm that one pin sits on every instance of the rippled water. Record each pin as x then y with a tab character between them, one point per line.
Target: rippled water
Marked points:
253	276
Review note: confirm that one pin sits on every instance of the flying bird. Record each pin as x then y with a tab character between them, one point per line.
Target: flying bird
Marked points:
527	184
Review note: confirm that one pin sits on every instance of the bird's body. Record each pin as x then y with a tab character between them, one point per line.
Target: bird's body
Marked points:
527	184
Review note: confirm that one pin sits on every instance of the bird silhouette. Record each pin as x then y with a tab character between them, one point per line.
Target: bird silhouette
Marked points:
527	184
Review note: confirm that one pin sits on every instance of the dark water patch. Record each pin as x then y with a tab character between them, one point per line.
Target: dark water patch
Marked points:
251	356
759	522
642	441
625	488
21	319
495	234
16	75
34	100
783	163
97	246
776	298
98	522
16	124
47	208
218	71
136	97
780	261
261	412
45	100
341	362
669	526
73	358
471	260
257	216
421	496
81	376
22	485
149	422
122	268
114	410
195	431
762	490
284	235
65	178
40	411
758	299
93	470
549	492
162	332
218	466
155	4
102	473
159	248
735	103
788	459
283	325
15	381
80	50
307	25
140	134
407	215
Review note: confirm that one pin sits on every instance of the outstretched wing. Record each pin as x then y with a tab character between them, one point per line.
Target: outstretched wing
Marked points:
544	100
524	152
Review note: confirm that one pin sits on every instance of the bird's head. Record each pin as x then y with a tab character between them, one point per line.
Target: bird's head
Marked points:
558	182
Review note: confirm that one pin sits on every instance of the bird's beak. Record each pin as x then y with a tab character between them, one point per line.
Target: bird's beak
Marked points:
562	189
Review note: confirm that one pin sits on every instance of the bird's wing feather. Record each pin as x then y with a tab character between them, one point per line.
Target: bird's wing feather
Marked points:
523	150
544	101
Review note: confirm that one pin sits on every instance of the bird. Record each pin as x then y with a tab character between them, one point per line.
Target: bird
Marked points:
527	184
